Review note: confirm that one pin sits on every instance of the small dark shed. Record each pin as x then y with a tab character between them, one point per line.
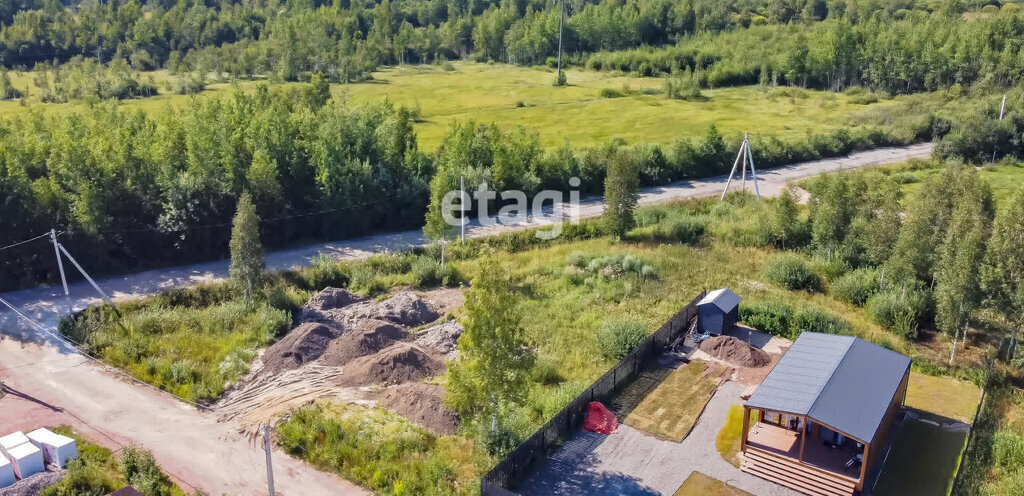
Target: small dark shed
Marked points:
718	311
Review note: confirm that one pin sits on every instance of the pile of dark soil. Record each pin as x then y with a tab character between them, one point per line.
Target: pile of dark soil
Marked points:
302	345
370	337
400	363
422	404
735	352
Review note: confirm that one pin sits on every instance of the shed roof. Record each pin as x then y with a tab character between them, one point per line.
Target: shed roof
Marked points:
842	381
723	298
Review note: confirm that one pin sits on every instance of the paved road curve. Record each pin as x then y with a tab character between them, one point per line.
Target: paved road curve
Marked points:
191	444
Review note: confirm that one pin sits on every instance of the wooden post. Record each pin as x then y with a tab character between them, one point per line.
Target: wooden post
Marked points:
863	468
746	429
803	439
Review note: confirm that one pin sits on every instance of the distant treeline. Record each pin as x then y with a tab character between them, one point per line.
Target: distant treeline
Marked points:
133	191
920	53
347	39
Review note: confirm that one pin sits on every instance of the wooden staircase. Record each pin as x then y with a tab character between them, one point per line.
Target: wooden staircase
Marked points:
795	475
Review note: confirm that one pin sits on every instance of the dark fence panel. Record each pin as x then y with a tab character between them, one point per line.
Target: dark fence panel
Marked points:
517	465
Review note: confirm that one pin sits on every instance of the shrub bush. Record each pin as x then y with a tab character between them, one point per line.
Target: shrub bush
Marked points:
900	311
773	318
611	93
817	320
1008	449
429	272
791	272
857	286
616	338
545	371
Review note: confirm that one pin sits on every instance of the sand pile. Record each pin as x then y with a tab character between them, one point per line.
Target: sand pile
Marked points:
370	337
422	404
443	338
302	345
403	362
734	351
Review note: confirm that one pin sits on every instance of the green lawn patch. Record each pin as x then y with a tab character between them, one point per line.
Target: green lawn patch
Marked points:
671	408
923	459
945	396
698	484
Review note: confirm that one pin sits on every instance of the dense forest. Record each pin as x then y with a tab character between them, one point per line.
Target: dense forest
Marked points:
135	190
896	45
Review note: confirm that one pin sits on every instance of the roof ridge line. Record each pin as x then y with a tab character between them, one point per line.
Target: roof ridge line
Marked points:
817	394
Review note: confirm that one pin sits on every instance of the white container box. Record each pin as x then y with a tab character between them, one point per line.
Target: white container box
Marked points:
12	440
57	449
6	472
26	460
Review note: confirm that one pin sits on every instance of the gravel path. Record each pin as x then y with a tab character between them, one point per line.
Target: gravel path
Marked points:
632	462
192	445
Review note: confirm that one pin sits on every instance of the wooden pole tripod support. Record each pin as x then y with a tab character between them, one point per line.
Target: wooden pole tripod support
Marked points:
745	156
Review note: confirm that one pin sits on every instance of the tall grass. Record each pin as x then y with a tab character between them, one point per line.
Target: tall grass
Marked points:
382	451
194	353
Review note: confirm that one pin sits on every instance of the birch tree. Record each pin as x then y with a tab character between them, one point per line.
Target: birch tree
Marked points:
1003	272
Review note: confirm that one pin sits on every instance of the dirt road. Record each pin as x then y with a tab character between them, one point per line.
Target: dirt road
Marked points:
191	444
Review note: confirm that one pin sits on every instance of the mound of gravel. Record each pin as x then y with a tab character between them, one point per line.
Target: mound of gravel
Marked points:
329	306
403	362
34	484
735	351
301	345
443	338
422	404
331	298
405	308
370	337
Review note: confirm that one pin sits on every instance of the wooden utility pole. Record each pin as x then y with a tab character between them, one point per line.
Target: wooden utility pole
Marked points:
561	23
270	468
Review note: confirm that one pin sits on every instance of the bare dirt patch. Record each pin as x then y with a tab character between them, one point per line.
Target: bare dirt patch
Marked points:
446	300
400	363
735	352
344	344
422	404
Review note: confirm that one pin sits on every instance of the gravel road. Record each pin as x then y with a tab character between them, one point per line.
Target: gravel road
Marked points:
191	444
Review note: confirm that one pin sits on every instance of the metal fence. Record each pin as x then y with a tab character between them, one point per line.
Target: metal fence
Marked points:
517	465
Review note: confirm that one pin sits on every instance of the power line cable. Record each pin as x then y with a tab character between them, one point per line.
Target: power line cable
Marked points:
19	243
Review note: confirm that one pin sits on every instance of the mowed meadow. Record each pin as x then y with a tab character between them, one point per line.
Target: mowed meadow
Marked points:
636	112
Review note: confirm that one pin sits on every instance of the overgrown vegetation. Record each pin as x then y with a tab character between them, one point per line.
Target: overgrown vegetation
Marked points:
382	451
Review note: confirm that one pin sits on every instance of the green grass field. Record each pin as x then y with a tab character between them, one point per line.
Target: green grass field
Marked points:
728	439
523	96
944	396
923	459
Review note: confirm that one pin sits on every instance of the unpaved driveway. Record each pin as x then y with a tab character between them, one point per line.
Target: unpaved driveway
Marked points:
192	445
633	462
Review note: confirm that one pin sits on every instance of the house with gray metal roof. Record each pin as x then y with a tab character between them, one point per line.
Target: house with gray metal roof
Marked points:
812	423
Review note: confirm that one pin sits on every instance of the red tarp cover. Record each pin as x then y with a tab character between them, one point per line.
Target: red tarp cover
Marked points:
599	419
